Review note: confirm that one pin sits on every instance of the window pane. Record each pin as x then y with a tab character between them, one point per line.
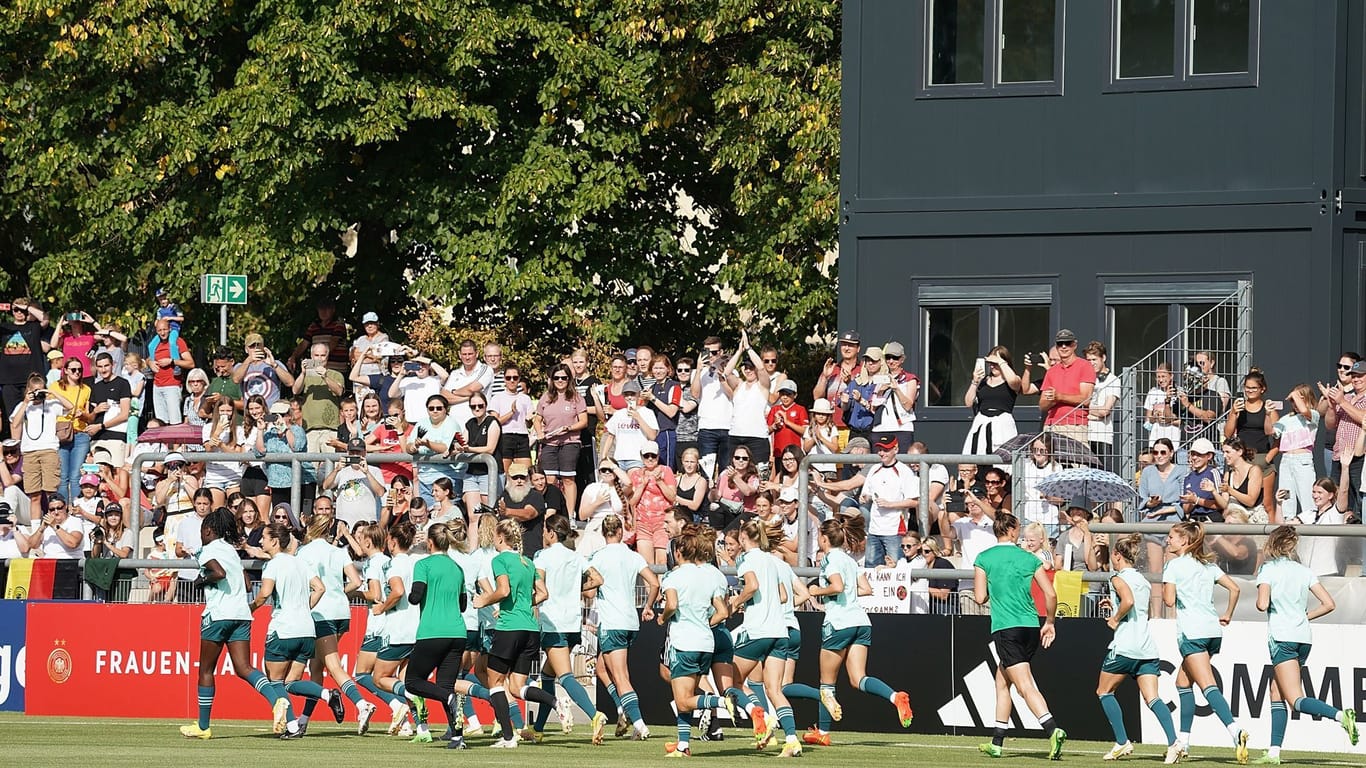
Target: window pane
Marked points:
957	33
952	350
1147	33
1021	330
1220	37
1027	28
1137	330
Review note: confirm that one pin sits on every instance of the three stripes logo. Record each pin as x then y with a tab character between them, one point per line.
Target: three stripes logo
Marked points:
975	707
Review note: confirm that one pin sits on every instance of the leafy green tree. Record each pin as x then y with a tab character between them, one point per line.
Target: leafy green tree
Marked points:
524	163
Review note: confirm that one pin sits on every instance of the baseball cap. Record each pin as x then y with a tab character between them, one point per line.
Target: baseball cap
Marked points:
850	337
630	355
90	479
631	385
519	469
1202	445
254	338
1064	335
355	445
788	386
856	442
111	508
874	353
649	446
174	456
161	292
893	349
1359	367
369	317
821	406
280	406
55	354
885	442
789	494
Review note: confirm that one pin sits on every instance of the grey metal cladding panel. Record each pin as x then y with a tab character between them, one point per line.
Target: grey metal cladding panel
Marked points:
1085	141
887	265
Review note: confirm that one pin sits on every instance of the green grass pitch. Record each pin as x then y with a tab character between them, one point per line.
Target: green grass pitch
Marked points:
74	743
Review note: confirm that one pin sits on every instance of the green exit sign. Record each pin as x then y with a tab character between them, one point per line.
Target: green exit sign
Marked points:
223	289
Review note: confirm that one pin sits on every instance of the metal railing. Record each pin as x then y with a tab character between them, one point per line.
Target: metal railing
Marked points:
297	460
1225	334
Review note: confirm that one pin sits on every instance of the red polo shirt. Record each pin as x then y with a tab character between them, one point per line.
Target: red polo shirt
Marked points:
1067	380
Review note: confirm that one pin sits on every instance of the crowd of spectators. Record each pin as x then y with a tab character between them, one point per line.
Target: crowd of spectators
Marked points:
716	438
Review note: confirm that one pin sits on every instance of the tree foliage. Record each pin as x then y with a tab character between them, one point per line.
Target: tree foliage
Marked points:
586	169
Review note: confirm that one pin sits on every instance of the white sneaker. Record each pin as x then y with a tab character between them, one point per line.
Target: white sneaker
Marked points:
407	729
641	734
504	744
399	720
1119	750
473	727
364	711
1173	755
704	721
565	709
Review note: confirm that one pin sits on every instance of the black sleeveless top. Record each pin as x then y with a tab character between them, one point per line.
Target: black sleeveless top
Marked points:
478	437
996	400
1252	430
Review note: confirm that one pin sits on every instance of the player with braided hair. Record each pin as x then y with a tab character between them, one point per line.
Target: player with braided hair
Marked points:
226	618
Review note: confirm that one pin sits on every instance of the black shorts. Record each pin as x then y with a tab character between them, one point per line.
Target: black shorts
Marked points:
514	445
514	651
254	482
1016	645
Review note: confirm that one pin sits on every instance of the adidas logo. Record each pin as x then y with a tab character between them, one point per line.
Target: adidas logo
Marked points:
976	706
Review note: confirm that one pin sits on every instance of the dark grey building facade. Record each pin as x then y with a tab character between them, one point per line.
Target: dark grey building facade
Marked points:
1117	167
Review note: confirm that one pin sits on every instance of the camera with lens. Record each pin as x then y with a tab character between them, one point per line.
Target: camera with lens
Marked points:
37	397
1192	379
97	535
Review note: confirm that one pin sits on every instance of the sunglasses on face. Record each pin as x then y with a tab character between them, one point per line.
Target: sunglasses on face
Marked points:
1067	344
739	458
559	378
74	369
995	482
477	406
279	517
56	508
436	408
908	546
649	455
1161	453
512	378
684	370
1342	367
927	551
770	361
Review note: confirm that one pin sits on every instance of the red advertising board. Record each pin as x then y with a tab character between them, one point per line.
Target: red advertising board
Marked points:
100	660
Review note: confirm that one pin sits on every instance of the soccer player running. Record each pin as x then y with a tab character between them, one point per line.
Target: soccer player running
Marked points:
1002	574
1133	653
1188	585
292	592
762	594
400	621
694	605
370	540
1283	588
561	570
226	618
847	631
516	638
331	616
438	591
613	571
